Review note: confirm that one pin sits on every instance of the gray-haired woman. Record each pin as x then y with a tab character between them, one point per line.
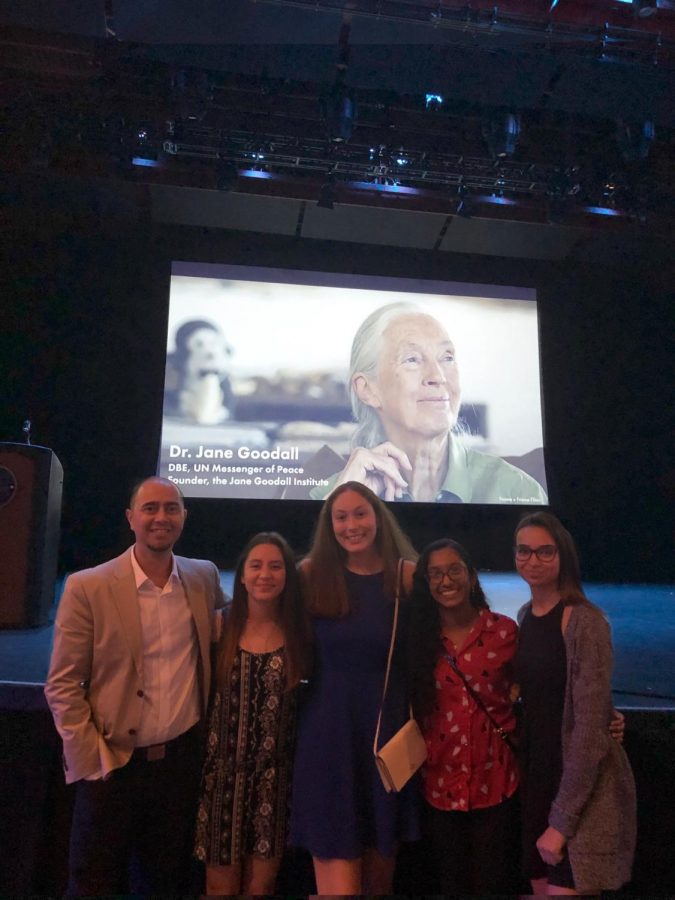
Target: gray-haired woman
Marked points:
405	394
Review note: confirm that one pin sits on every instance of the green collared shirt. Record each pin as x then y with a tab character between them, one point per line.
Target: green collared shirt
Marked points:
473	477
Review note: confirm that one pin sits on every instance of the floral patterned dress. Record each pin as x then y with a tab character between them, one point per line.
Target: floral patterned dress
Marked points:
469	766
243	807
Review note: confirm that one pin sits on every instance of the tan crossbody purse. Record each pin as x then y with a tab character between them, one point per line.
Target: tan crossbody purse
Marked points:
402	755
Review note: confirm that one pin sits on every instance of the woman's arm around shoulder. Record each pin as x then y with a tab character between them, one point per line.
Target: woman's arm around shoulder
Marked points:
304	572
522	612
506	637
407	577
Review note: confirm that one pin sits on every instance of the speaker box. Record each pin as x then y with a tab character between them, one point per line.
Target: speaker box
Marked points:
31	485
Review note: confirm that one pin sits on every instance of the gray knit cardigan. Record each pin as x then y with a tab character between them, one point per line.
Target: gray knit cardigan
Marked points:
595	807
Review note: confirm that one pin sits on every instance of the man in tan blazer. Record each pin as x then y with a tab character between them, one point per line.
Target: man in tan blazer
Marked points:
127	686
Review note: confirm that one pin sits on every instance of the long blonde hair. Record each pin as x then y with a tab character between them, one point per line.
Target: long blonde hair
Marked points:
323	570
294	621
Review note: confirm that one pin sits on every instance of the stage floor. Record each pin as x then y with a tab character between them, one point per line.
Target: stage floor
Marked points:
643	627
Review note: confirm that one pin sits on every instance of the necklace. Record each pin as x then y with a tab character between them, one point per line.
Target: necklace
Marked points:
261	640
457	634
457	638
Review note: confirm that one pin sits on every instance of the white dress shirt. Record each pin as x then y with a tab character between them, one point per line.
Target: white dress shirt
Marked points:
170	684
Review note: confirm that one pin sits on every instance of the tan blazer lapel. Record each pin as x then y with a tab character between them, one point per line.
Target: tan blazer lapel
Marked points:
125	596
197	601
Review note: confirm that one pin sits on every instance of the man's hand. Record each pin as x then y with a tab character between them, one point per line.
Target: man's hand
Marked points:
617	726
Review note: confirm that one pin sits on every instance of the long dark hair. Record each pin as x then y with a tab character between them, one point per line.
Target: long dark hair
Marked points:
324	571
424	644
294	621
569	579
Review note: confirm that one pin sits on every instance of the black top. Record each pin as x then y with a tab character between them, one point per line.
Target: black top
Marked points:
541	671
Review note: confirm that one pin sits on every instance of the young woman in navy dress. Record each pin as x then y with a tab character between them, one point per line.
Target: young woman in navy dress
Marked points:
340	811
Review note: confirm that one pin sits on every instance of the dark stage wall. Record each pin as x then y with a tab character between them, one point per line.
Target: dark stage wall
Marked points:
82	355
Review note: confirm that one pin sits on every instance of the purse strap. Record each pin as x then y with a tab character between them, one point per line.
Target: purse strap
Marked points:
504	735
392	643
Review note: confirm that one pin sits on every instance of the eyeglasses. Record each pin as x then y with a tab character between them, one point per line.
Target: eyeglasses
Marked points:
545	553
435	576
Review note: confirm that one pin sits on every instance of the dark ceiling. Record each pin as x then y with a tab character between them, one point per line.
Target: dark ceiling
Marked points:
240	97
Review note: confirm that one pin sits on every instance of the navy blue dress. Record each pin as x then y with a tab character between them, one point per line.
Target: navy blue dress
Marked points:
339	806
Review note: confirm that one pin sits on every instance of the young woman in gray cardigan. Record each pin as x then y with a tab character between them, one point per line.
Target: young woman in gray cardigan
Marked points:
578	792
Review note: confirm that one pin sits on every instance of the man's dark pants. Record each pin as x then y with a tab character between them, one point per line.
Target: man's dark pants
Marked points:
133	833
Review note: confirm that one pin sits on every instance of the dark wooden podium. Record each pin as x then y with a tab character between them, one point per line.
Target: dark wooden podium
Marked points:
31	484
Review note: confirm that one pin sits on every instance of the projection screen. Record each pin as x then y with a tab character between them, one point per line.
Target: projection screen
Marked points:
441	402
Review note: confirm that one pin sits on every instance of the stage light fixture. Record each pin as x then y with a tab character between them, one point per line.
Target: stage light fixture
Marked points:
498	186
635	140
339	110
145	161
644	8
193	92
464	205
401	158
609	191
145	151
500	132
602	211
380	174
258	154
175	130
385	166
615	191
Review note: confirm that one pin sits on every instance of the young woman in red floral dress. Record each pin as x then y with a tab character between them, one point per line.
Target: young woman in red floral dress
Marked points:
460	649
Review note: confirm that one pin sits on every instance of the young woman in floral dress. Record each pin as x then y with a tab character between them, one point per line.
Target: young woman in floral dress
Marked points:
262	655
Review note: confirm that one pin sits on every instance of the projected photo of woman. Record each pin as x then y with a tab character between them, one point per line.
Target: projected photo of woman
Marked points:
405	391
